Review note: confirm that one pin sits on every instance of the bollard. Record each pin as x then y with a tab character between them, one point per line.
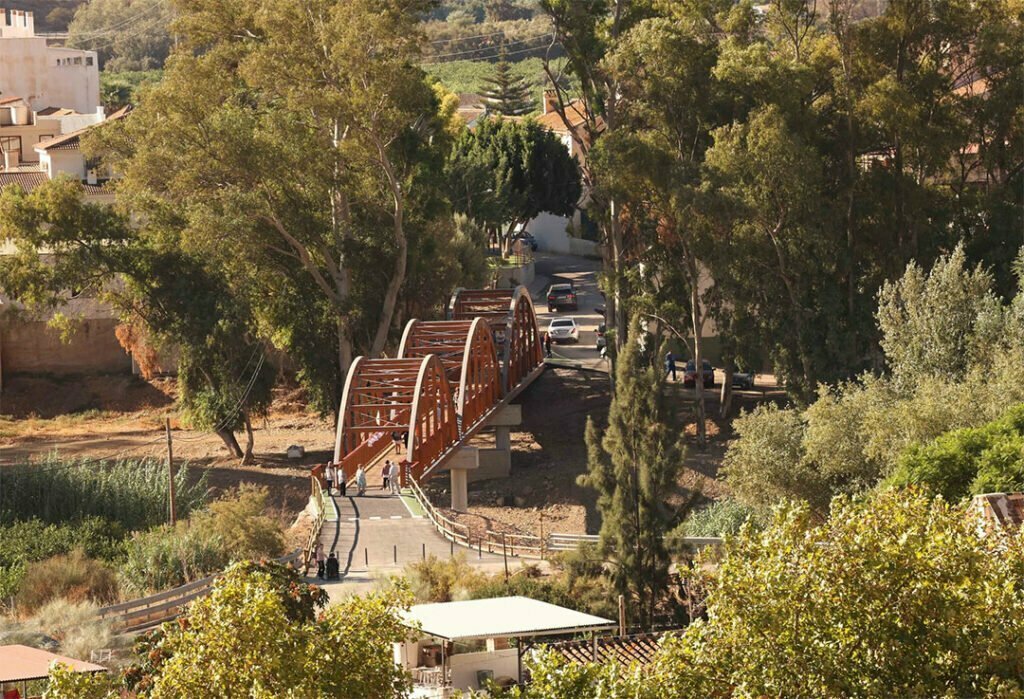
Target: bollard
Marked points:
452	551
424	545
395	547
480	548
366	556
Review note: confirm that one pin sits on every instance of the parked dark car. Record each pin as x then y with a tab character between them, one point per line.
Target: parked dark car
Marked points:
743	380
690	374
562	296
527	239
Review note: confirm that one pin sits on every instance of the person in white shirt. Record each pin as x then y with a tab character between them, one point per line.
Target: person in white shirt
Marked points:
329	474
393	478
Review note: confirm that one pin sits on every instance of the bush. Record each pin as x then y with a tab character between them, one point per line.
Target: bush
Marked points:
441	579
969	461
238	521
73	577
166	557
133	493
22	543
720	518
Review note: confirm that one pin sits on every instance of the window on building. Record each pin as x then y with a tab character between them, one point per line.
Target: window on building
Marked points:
78	60
10	143
88	60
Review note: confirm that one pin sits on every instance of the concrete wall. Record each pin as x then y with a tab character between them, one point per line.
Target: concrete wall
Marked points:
523	274
47	76
33	347
494	463
464	666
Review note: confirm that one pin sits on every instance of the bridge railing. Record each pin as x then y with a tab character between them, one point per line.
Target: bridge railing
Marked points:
529	546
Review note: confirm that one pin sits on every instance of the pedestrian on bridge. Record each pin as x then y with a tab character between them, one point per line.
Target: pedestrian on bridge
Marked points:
320	560
396	437
547	345
329	473
395	478
341	480
385	473
360	481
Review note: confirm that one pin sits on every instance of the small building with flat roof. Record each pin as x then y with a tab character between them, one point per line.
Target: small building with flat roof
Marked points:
20	665
462	645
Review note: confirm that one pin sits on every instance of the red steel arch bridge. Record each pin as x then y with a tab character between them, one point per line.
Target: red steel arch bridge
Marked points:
449	378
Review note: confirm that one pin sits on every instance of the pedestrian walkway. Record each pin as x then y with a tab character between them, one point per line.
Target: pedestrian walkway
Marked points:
378	534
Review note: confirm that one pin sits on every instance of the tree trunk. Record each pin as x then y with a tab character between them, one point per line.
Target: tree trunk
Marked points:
228	437
249	440
725	402
697	320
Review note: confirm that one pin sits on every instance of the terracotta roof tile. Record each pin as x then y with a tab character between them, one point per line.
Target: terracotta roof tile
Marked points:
27	180
625	650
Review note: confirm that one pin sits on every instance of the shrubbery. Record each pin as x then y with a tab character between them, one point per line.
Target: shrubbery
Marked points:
72	577
132	493
232	528
26	542
970	461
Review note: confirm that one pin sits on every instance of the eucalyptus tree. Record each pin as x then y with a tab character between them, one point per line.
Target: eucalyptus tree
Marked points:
297	144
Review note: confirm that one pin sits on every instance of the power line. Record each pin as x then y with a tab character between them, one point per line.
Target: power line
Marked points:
549	35
496	55
117	26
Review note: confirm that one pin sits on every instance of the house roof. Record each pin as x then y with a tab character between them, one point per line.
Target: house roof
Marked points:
27	180
1001	509
574	111
22	664
30	180
621	649
72	140
500	617
11	100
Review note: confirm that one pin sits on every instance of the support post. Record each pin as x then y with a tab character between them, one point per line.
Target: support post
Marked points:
622	615
460	489
170	473
504	555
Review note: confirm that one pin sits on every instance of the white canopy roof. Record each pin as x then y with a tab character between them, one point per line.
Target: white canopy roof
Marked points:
500	617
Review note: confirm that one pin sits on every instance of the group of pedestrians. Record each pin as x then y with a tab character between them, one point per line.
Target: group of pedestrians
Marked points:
327	568
390	477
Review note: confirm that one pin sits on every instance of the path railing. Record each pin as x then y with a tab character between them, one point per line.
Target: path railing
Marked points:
146	612
320	504
530	546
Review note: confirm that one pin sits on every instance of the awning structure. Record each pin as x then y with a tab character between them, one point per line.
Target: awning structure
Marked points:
23	664
501	617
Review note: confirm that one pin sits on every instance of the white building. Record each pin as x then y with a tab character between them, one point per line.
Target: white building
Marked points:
465	645
46	76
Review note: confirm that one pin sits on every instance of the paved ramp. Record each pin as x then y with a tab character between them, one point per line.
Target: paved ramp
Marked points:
378	534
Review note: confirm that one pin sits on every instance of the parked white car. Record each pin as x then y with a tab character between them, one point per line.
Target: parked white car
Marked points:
564	330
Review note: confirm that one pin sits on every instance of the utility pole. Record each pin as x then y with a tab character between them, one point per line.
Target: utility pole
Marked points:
170	471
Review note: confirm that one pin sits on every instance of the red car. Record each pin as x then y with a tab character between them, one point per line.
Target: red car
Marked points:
690	374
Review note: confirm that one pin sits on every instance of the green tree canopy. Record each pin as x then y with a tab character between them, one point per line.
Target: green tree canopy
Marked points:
505	172
127	34
505	94
634	465
259	633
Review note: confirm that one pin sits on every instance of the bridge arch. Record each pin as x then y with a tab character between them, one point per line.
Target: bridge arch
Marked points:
470	359
513	320
382	396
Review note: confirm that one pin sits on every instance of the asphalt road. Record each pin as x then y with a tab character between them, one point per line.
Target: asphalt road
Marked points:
582	273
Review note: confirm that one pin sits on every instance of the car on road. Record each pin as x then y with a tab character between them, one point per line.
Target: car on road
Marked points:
564	330
743	380
527	239
601	339
562	296
690	374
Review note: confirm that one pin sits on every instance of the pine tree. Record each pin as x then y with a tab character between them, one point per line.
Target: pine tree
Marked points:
506	95
635	466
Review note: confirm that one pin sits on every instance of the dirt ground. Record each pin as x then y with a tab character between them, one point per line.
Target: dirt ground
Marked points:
119	417
113	417
549	453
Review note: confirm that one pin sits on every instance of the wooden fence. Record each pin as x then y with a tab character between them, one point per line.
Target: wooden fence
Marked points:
146	612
